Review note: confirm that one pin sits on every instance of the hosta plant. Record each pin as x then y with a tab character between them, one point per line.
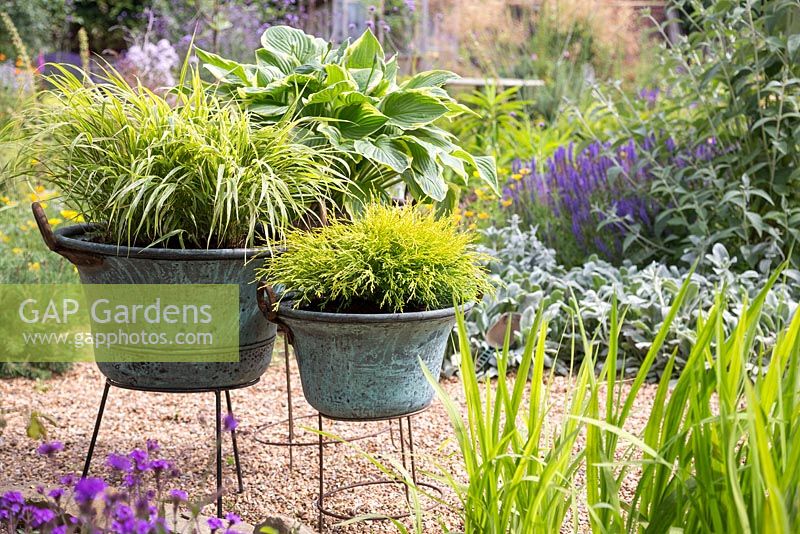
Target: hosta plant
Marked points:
349	98
386	260
185	169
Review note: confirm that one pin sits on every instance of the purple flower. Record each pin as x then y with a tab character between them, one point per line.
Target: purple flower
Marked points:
119	462
232	518
49	448
152	445
214	523
87	489
178	495
649	96
160	465
124	519
37	517
13	501
139	459
56	494
229	422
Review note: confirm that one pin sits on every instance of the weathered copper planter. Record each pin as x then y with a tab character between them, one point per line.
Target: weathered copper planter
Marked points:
99	263
367	366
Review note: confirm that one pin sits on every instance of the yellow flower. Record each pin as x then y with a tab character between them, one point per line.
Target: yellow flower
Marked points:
35	266
16	250
39	188
4	238
517	176
473	226
72	215
457	217
54	221
512	186
475	174
483	215
5	200
2	57
469	213
480	193
525	170
507	202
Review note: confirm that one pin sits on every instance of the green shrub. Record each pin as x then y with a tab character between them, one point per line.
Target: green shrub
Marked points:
35	370
496	119
387	260
195	174
731	99
40	23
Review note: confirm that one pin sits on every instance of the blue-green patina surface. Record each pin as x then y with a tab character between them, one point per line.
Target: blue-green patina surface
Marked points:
367	366
110	264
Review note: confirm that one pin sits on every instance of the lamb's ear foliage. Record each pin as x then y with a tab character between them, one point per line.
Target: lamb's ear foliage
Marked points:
386	131
387	259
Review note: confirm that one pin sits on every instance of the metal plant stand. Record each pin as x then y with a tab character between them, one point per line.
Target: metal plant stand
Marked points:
406	448
292	442
218	427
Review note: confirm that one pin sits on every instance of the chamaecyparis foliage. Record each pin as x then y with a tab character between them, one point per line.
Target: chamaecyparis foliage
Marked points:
349	98
529	276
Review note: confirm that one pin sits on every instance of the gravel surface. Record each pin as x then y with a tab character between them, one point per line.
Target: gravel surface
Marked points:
184	426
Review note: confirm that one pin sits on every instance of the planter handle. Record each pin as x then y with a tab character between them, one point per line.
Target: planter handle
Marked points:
77	258
265	295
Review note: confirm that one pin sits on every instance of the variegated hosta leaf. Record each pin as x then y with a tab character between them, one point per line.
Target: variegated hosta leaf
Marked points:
359	120
365	53
425	173
431	78
409	109
389	152
293	43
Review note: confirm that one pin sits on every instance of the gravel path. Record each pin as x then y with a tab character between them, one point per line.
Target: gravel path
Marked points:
184	426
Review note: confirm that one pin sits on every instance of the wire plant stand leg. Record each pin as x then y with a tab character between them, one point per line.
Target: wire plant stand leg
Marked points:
321	475
100	411
403	455
235	445
218	436
217	430
289	399
408	462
